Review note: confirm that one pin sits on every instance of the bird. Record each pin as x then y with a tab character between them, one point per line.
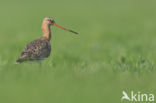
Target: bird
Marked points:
40	48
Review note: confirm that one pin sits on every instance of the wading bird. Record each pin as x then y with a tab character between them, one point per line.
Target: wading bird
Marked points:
40	49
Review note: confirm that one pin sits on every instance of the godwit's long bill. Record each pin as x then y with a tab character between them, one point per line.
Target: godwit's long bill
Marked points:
64	28
40	48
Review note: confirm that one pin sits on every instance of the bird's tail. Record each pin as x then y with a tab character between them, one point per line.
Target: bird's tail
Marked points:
21	58
18	61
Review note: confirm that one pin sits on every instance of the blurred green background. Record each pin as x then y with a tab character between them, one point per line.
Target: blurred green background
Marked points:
114	51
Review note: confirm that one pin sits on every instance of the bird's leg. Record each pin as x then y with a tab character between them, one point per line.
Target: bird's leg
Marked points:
40	63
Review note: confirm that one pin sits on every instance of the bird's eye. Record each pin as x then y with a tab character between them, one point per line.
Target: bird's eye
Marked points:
52	21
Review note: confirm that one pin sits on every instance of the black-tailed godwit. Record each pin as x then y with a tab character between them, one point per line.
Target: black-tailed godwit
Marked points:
40	49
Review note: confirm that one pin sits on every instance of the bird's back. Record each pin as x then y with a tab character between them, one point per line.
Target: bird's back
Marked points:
35	50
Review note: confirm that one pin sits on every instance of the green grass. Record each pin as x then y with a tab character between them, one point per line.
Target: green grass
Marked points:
114	51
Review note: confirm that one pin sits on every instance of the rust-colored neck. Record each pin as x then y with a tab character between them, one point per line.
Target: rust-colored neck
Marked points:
46	31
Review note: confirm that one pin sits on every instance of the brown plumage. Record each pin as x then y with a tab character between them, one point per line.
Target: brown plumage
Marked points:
36	50
40	49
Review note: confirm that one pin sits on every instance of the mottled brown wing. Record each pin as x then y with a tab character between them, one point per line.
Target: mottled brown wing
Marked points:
36	50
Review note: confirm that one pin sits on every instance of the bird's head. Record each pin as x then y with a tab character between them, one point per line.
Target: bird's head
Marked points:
50	21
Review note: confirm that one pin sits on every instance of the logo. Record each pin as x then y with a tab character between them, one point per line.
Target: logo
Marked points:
137	96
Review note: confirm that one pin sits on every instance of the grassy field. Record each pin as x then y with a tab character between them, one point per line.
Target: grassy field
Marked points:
114	51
